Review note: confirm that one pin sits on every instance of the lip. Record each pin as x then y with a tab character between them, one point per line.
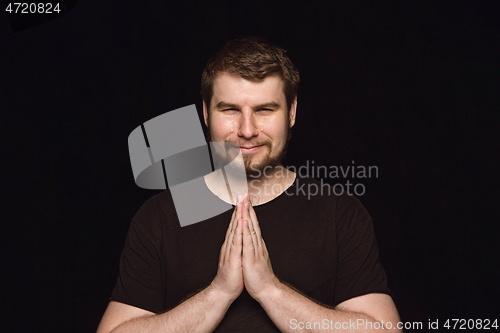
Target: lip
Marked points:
248	150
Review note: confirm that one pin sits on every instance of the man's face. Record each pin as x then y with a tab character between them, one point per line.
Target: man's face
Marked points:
252	115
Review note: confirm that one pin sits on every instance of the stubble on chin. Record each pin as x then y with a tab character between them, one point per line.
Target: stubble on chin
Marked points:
255	169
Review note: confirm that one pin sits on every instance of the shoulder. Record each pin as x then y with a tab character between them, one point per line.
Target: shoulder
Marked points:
314	203
322	193
156	213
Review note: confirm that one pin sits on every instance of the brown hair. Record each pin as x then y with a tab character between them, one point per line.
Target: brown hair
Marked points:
252	58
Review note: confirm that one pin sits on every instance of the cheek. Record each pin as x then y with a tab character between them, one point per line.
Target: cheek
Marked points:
221	127
276	130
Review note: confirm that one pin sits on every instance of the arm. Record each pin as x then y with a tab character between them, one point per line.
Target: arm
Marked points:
287	307
290	311
200	313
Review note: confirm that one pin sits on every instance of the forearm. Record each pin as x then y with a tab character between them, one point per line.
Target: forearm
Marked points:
200	313
292	312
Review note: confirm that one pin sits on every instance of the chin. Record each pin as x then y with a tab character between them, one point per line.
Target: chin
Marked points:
255	170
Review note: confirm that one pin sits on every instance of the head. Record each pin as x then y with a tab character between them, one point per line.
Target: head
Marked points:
249	90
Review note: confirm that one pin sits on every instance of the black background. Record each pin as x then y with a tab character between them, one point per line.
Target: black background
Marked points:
411	87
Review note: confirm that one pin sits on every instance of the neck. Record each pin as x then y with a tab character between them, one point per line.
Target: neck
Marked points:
270	184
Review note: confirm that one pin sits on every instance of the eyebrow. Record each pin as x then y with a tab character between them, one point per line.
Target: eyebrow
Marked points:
223	105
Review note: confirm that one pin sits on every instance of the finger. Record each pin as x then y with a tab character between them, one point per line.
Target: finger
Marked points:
231	226
248	245
246	216
227	242
256	226
244	212
240	207
236	244
230	240
264	249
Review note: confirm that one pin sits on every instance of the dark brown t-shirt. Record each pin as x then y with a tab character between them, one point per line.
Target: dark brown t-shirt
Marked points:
323	245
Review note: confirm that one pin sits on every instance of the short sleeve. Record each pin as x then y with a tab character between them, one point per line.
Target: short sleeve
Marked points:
139	280
359	269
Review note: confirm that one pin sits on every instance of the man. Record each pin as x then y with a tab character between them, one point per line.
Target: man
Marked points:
324	274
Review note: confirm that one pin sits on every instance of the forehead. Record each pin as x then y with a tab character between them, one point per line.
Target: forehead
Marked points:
232	88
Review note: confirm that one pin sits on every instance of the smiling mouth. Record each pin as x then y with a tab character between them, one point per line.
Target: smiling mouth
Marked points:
249	150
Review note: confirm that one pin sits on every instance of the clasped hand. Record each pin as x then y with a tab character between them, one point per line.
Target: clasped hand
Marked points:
244	260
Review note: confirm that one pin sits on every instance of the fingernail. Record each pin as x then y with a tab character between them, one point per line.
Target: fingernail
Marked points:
239	199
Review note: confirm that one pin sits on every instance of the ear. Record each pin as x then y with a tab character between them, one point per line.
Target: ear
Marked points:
293	112
205	113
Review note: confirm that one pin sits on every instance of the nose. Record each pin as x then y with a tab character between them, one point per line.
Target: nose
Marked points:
247	127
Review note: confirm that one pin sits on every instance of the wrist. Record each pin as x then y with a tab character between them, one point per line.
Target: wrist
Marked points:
272	293
219	296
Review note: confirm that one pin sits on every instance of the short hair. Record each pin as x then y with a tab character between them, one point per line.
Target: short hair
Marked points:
252	58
